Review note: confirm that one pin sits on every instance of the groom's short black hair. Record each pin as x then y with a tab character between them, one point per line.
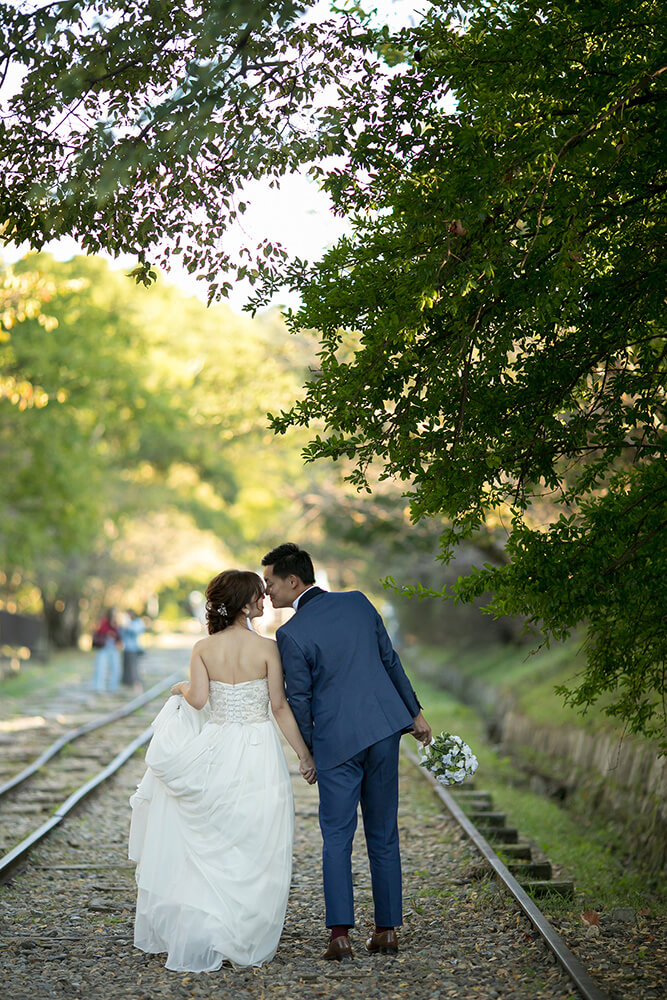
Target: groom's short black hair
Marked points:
288	559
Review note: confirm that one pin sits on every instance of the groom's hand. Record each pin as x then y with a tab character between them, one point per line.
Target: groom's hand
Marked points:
421	729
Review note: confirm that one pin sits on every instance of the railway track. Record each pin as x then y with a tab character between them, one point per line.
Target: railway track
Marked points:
37	799
479	807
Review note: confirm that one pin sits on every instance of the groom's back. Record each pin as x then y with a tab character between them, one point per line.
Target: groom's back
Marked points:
360	694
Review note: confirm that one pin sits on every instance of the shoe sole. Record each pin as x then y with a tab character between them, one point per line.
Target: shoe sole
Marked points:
383	951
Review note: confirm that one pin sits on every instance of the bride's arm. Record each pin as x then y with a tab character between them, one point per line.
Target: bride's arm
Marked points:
283	714
196	691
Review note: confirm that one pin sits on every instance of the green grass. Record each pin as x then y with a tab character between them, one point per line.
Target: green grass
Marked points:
583	850
528	677
62	669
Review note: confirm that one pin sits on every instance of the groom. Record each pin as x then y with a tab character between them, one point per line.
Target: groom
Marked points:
352	701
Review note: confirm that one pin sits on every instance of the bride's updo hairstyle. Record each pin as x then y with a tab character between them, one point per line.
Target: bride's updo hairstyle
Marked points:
227	593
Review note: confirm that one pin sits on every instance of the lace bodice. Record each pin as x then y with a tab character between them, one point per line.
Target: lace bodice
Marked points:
244	702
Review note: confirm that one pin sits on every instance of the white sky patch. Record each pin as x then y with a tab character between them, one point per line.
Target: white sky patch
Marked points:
297	214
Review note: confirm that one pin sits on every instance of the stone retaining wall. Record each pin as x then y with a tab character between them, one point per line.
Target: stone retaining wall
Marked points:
623	780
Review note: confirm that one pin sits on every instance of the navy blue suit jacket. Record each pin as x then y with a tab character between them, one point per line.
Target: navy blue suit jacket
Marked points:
344	681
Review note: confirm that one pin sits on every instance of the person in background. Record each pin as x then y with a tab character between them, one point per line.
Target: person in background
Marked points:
107	645
129	633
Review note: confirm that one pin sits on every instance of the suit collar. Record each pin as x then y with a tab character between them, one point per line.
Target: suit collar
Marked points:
308	595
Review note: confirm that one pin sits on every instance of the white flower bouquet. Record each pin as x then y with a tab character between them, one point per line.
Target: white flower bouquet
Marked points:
449	759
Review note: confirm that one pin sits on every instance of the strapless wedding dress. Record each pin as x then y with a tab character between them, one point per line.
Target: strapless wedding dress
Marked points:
212	832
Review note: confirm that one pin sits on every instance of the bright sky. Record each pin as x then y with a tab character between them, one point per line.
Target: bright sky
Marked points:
298	215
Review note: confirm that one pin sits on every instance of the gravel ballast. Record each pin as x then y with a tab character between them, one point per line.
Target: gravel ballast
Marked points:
66	921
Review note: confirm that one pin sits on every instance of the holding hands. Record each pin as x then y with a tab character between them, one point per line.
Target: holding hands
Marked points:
307	768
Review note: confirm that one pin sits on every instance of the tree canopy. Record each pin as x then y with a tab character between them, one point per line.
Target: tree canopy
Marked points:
136	126
492	329
133	436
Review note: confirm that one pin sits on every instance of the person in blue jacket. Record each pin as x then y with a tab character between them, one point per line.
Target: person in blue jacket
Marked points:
352	701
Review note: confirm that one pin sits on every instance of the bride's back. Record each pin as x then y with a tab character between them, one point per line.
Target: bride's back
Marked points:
234	655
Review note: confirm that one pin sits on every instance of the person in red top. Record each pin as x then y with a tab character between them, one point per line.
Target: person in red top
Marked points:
106	640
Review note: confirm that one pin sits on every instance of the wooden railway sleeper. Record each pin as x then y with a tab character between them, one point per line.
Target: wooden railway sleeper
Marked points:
534	875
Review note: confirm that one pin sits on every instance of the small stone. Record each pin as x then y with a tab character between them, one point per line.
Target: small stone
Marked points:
593	931
623	915
99	905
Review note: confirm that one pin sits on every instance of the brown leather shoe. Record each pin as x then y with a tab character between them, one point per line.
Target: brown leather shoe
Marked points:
383	943
338	950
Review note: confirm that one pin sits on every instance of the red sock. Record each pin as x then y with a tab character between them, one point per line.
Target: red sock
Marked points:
339	930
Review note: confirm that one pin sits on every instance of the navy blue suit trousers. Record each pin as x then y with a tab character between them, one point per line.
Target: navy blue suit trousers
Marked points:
369	778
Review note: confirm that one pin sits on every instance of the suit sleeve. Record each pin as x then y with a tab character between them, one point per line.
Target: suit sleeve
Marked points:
394	668
298	684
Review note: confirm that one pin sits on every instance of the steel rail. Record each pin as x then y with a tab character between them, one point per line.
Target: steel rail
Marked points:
21	849
586	985
88	727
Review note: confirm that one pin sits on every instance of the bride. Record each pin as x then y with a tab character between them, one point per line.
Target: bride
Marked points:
213	817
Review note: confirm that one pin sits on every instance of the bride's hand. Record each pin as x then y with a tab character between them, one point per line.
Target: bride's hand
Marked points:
307	768
178	688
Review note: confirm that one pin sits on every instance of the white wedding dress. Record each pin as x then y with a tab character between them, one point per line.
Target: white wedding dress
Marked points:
212	831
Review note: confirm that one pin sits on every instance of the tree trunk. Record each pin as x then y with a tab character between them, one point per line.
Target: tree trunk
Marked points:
62	621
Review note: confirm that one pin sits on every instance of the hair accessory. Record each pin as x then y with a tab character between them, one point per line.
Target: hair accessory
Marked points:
222	610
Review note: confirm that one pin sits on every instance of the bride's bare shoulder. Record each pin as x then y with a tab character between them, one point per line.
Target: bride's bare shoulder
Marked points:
207	643
223	638
201	644
269	647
